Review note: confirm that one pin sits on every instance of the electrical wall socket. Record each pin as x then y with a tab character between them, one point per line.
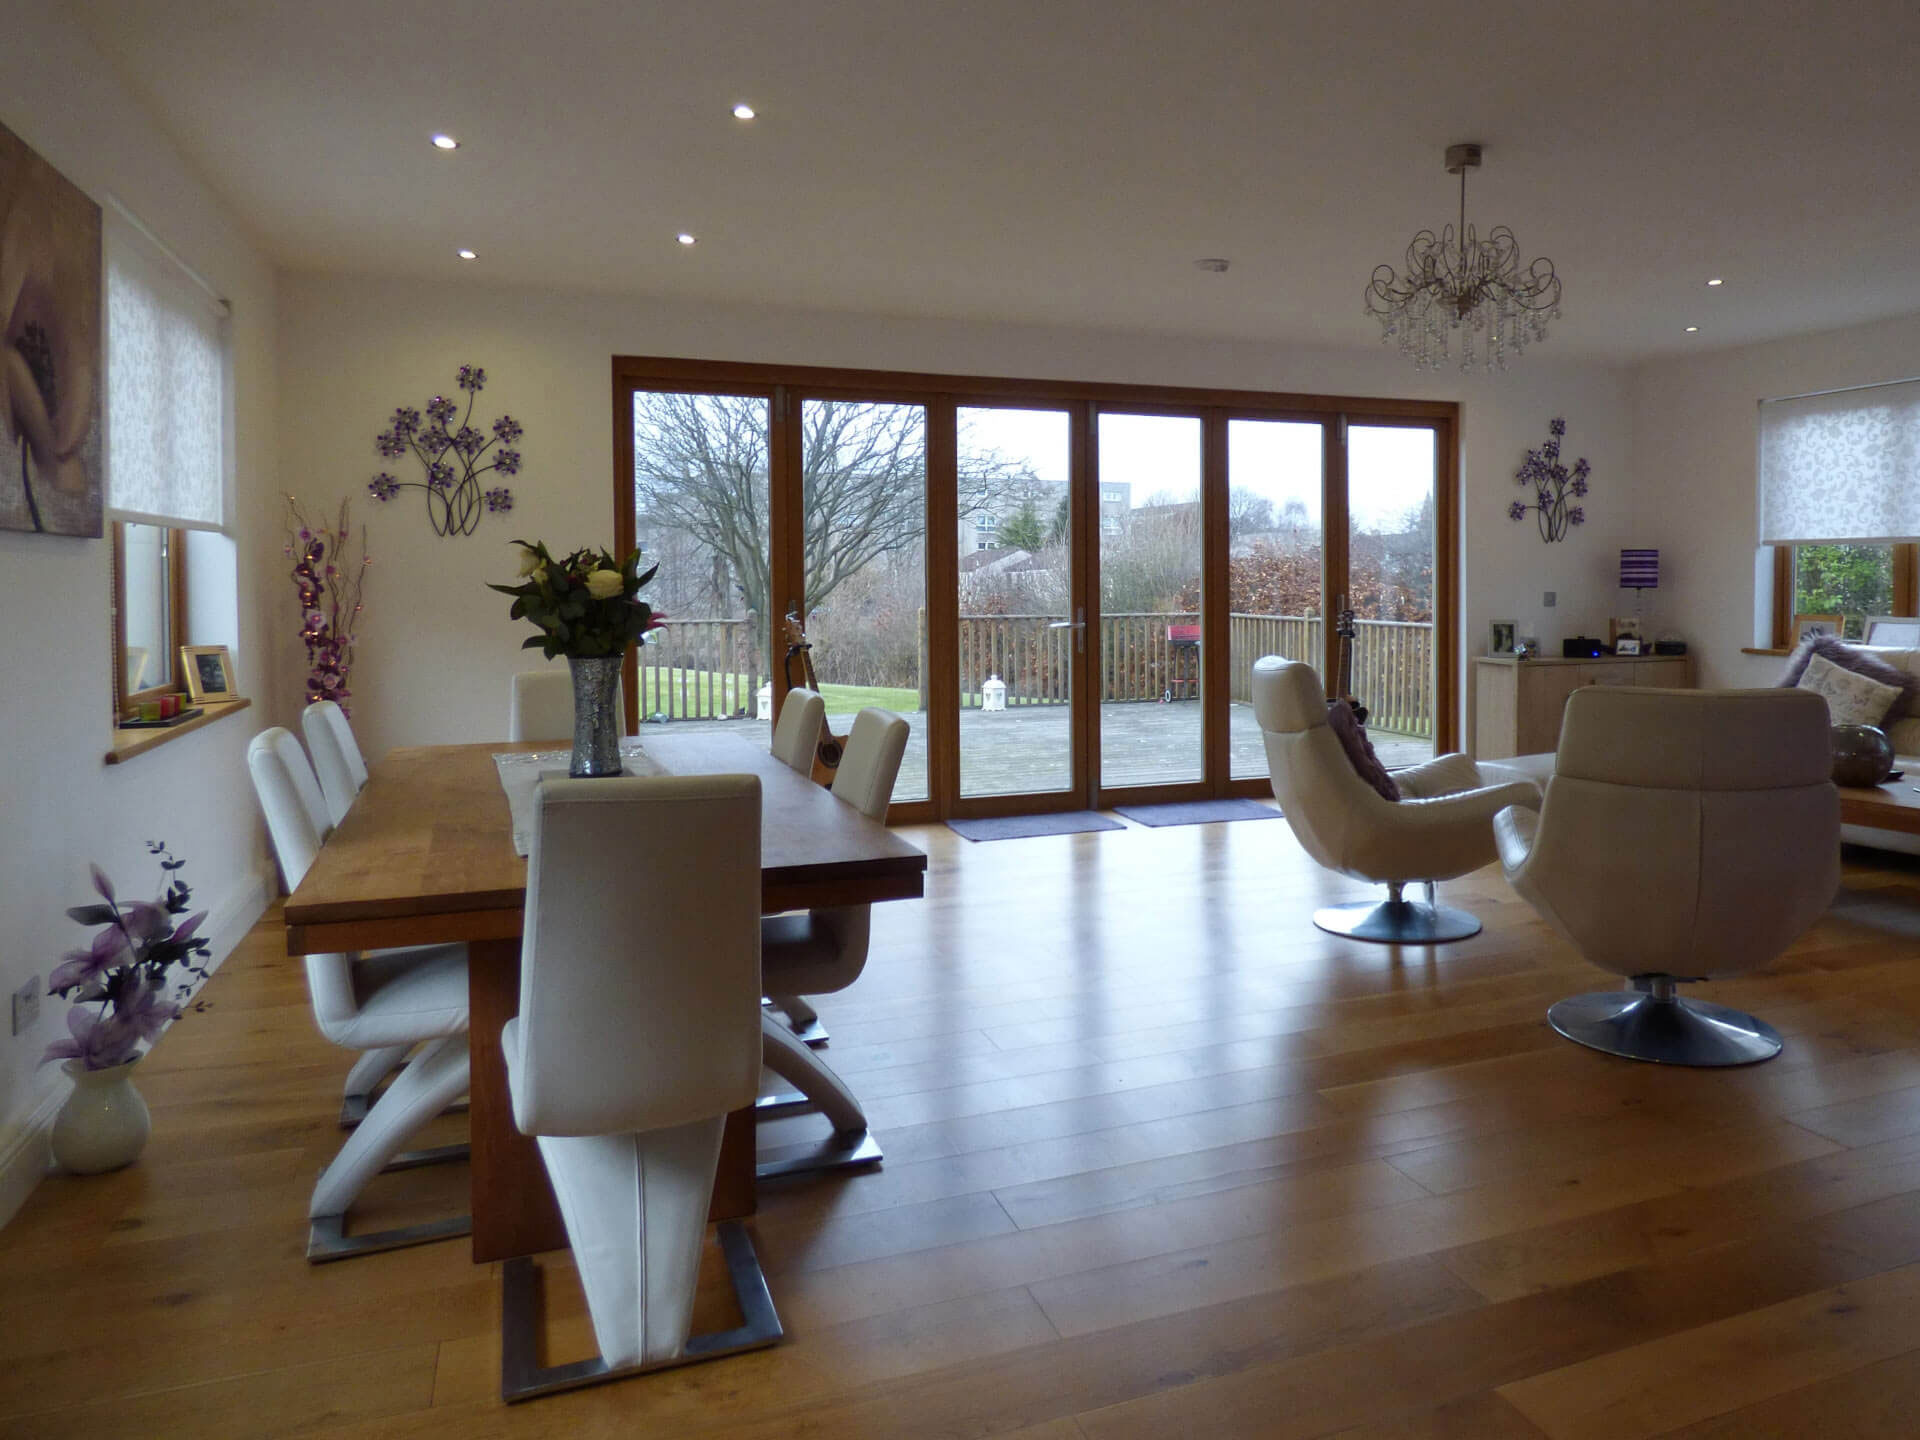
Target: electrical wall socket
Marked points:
26	1005
1550	599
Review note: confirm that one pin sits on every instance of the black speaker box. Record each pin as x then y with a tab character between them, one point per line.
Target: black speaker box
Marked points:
1581	647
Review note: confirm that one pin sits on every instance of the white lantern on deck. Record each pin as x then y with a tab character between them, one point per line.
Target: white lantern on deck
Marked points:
993	694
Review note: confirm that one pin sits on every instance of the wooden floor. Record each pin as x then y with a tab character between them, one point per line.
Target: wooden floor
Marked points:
1162	1160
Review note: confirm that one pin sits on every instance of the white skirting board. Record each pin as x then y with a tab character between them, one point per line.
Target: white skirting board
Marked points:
25	1155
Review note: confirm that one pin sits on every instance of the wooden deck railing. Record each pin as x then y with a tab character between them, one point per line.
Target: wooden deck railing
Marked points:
702	668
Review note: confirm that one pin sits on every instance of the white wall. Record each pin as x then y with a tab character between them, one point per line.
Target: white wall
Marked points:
60	805
1696	432
436	648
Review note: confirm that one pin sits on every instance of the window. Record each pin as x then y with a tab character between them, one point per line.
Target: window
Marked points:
167	451
1853	581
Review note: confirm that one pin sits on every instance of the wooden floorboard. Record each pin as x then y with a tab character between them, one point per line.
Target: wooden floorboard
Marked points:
1162	1160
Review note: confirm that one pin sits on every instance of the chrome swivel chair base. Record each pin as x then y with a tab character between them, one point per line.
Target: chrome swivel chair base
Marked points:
1656	1024
1397	921
842	1150
522	1377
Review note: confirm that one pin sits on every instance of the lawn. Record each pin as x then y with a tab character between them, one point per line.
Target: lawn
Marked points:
708	695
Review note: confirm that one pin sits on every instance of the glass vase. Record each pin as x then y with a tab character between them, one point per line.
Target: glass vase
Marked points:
596	717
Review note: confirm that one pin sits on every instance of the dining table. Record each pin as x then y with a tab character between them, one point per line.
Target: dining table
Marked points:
425	855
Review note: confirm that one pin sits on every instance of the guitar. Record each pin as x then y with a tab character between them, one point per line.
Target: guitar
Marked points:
1343	682
826	756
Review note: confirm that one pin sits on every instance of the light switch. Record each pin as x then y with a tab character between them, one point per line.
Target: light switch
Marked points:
1549	598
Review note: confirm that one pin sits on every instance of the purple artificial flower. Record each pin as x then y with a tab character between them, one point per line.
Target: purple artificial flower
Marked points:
1576	516
1556	427
440	409
83	967
406	420
439	475
435	439
1551	450
1579	484
1545	497
507	462
471	377
146	1010
507	430
500	499
98	1044
143	921
101	884
388	445
383	487
468	440
1516	511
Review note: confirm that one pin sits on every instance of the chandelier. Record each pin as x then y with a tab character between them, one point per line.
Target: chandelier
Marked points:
1456	281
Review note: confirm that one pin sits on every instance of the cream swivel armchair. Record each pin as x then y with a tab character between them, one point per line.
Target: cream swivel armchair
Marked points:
540	705
336	756
382	1003
638	1032
1440	828
1686	834
796	736
821	951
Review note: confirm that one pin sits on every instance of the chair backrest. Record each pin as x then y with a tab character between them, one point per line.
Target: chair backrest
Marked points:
871	762
1320	793
296	821
796	734
336	756
640	956
540	705
1694	832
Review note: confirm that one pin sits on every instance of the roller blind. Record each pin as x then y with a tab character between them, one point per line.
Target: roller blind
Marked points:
166	389
1844	466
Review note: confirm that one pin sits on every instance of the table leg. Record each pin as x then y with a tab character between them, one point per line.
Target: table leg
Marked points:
514	1212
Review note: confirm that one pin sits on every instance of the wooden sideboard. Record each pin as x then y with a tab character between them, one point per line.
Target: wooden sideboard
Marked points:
1517	703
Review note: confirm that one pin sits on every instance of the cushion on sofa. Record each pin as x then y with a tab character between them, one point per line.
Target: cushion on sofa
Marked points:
1852	698
1353	739
1861	662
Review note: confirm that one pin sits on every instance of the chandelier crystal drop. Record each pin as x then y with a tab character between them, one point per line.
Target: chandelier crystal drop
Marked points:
1458	283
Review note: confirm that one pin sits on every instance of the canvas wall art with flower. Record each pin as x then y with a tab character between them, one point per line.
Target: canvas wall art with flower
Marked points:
50	372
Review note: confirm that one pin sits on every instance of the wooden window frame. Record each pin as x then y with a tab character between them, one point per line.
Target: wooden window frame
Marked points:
1906	587
176	628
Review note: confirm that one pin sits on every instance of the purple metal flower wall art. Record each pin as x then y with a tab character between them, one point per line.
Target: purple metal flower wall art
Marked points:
1552	484
125	970
328	585
450	456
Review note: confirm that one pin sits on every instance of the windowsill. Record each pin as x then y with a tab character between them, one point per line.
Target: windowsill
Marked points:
129	743
1749	650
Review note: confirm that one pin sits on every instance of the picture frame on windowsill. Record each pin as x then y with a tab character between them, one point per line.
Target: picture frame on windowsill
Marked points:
1899	631
208	671
1807	626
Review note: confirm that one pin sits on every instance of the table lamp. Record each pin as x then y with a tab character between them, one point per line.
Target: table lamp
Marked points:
1639	570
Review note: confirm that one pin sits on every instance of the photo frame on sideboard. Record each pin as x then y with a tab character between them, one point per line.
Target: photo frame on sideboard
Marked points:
1805	627
208	671
1501	635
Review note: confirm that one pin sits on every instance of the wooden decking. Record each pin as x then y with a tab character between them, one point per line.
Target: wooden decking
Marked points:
1162	1160
1025	748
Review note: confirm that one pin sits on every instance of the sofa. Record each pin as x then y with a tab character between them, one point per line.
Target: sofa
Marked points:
1905	735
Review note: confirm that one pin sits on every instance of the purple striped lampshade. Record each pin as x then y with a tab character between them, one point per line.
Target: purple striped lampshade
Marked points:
1639	569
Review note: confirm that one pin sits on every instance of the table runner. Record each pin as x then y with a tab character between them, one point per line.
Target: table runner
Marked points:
521	771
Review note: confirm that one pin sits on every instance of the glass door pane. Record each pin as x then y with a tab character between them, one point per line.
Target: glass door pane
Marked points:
1391	498
1274	558
864	517
700	499
1151	556
1016	638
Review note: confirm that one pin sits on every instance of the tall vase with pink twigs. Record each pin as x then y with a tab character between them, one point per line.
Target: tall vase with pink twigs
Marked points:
329	564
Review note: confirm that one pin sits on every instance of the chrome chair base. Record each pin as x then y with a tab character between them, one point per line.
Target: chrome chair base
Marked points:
842	1150
327	1237
783	1106
1651	1025
522	1377
354	1108
1398	922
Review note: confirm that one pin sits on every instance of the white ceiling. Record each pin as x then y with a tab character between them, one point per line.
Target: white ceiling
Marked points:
1066	161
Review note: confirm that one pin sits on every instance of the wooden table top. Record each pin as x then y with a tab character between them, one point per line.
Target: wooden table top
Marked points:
426	852
1892	806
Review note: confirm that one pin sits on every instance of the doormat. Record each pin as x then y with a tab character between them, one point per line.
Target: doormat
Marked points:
1197	812
1025	827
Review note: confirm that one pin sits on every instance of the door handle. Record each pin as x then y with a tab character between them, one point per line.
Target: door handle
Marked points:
1080	640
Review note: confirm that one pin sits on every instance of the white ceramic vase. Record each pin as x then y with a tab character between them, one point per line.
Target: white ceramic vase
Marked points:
104	1125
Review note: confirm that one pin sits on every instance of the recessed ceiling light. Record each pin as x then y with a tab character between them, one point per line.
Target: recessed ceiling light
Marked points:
687	237
743	111
445	142
1716	281
1214	263
1693	329
468	254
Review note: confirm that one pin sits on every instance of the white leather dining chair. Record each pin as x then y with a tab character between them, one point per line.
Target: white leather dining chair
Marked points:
383	1002
541	705
796	734
336	756
818	952
638	1031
